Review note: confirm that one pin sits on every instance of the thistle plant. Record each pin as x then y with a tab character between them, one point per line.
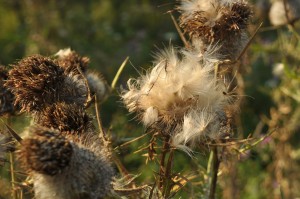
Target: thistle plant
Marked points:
184	98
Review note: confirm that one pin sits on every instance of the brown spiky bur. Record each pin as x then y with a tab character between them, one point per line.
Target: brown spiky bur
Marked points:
65	118
67	167
7	144
98	85
38	81
33	81
88	176
216	22
70	61
6	97
46	152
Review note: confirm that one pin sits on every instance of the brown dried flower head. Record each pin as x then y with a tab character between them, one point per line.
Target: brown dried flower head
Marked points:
65	118
46	152
38	81
70	60
6	97
214	20
34	81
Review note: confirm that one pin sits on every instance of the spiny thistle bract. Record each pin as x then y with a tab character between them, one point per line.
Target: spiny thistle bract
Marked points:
70	61
216	21
6	97
65	118
66	167
45	152
38	81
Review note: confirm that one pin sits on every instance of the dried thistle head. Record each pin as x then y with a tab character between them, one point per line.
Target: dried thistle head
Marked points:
7	144
6	97
214	20
98	85
70	60
34	81
38	81
66	167
224	22
65	118
46	152
87	176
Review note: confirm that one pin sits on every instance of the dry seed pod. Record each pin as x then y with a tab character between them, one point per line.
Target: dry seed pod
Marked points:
181	97
281	14
216	22
38	81
70	60
45	152
66	167
65	118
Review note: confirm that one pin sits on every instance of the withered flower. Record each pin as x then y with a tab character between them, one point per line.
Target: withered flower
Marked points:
70	60
65	118
45	152
38	81
216	22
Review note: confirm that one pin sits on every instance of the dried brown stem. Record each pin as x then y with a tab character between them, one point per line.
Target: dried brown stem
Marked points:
182	37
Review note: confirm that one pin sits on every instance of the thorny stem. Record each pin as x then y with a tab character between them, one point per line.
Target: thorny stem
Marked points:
168	179
213	168
162	170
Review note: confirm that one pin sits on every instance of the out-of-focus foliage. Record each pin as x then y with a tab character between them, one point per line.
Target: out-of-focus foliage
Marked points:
107	31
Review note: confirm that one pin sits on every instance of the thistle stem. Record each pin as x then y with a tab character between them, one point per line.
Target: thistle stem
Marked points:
12	175
163	169
213	168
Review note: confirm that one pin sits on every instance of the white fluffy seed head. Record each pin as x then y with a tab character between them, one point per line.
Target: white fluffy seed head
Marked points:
98	85
181	93
62	53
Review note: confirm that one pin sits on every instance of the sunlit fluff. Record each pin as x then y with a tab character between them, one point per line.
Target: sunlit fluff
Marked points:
175	93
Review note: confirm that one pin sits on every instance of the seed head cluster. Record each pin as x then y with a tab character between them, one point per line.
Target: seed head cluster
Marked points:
62	153
181	95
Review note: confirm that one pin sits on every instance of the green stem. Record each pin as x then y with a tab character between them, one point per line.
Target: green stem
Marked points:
213	169
114	82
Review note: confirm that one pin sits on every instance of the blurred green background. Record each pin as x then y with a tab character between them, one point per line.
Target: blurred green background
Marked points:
107	31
